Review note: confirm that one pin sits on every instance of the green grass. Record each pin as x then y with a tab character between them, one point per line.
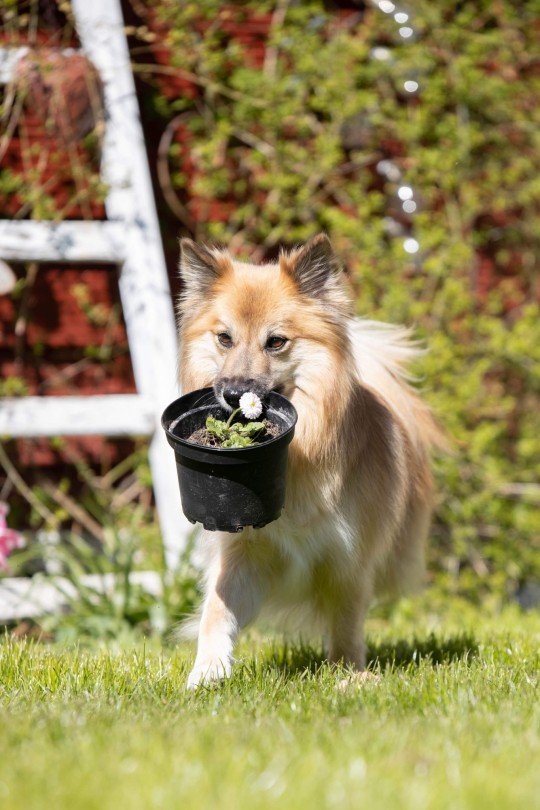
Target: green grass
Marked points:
454	722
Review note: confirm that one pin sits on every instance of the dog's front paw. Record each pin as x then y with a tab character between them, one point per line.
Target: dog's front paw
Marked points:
359	679
208	672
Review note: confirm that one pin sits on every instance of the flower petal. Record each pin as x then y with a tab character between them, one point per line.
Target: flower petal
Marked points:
250	405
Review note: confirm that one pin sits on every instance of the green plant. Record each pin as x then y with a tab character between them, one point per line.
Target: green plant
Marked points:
13	386
100	546
235	434
103	597
238	434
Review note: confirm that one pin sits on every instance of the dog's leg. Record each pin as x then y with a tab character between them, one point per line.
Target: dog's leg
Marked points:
231	604
346	628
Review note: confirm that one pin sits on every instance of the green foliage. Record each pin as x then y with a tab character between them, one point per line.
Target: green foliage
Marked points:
98	585
291	146
92	545
110	604
237	434
13	386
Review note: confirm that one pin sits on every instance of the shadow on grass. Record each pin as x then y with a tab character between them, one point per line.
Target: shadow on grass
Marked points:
403	654
294	659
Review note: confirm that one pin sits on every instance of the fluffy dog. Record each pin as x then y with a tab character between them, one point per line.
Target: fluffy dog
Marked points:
359	488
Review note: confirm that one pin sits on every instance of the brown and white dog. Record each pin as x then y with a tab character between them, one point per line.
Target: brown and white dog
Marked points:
359	488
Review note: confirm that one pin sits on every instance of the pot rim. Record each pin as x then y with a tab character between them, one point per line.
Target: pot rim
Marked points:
221	451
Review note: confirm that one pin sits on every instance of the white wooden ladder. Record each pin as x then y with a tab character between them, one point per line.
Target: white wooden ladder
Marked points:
130	238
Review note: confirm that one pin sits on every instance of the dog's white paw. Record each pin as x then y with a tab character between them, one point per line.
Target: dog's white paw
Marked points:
359	679
208	672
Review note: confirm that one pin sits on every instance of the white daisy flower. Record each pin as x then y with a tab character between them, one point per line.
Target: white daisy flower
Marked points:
250	405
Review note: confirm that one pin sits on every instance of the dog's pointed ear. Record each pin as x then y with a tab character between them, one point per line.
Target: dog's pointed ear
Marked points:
200	267
315	267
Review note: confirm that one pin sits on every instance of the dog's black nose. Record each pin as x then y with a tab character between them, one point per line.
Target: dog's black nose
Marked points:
232	396
233	390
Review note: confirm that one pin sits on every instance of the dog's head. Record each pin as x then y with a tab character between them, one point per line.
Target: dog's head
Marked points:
257	328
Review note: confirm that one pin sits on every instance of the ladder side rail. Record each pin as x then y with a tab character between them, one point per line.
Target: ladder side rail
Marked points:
144	285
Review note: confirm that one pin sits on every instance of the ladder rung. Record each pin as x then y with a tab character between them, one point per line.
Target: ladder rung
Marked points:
68	241
109	415
8	61
9	56
30	598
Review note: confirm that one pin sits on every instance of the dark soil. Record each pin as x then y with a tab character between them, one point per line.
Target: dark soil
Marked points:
202	437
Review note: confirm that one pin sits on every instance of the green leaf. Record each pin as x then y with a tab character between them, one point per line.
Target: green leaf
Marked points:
236	440
216	427
251	429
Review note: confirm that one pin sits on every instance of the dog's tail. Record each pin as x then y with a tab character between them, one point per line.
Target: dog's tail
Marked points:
383	354
386	345
187	629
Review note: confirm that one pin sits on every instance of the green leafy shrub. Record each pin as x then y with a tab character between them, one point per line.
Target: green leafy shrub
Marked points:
104	600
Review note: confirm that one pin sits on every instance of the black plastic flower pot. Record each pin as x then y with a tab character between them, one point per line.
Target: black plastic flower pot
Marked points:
227	489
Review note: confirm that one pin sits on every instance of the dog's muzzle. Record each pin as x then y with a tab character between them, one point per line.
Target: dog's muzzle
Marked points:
229	389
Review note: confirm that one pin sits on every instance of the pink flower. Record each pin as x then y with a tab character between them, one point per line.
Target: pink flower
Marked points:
9	538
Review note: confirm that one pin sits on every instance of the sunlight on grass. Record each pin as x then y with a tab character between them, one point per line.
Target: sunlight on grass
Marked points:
454	722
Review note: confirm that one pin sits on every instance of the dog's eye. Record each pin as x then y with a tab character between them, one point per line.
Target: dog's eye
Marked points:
225	339
275	342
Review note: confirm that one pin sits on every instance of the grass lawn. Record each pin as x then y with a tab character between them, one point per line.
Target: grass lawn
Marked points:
454	722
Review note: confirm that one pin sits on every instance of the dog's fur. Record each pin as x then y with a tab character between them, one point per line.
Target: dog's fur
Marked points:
359	489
